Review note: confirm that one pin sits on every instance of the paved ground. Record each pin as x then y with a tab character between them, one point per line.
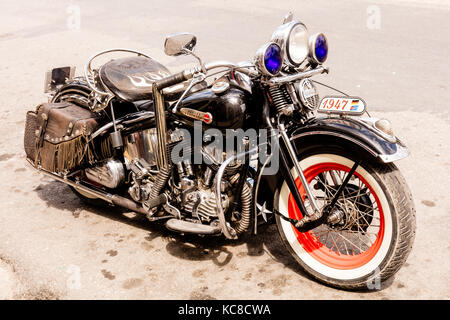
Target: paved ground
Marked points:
52	246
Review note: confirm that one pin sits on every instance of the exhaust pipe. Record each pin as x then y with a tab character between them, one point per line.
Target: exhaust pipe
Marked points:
108	197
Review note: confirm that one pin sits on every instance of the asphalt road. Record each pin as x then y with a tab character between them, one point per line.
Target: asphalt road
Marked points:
54	247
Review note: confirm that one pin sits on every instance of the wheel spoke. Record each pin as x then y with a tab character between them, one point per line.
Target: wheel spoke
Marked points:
359	226
348	198
361	250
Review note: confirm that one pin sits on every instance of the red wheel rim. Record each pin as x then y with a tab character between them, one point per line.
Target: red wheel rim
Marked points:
311	243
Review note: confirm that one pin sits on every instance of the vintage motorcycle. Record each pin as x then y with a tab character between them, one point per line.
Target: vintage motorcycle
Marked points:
326	176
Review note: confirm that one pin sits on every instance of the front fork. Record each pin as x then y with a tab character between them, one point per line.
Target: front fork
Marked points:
293	155
319	216
286	149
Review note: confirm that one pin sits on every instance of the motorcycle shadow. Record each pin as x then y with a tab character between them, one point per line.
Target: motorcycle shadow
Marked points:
218	249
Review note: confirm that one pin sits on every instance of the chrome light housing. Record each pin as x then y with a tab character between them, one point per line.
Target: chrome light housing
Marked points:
269	59
292	37
308	94
318	48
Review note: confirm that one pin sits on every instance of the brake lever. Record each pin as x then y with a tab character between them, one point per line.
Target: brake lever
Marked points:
196	79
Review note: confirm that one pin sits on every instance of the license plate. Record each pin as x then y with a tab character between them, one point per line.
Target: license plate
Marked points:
57	77
345	105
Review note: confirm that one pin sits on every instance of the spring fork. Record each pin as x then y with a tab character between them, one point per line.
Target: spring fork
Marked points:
292	154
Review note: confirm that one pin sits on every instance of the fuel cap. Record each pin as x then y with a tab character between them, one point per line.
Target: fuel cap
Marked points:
220	87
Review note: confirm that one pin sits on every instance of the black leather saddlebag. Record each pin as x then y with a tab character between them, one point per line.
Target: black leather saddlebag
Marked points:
56	136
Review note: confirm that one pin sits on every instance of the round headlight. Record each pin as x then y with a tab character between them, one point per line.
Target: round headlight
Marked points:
269	59
318	45
293	38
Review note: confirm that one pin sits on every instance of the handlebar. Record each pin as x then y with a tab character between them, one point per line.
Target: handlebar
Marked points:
299	76
248	69
171	80
189	73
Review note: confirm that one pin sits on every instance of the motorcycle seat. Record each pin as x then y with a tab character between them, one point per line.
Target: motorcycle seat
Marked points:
131	79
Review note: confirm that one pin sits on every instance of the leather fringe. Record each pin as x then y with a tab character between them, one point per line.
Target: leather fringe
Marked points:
66	155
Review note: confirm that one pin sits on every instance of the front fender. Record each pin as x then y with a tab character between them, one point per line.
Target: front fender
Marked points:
359	134
359	131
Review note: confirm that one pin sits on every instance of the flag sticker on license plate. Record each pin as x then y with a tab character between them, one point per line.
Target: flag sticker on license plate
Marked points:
346	105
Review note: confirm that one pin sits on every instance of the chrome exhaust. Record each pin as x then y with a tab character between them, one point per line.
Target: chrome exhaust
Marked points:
106	196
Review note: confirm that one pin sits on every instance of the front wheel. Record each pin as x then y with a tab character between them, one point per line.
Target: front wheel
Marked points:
375	228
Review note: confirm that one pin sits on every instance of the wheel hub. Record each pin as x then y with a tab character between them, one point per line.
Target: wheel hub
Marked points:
355	214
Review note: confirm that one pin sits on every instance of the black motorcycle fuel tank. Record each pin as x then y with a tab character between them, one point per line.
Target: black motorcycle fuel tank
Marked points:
226	110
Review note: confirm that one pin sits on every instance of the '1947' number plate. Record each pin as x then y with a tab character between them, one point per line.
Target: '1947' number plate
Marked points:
347	105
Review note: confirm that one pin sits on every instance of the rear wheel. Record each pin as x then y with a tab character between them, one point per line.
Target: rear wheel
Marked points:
374	230
76	92
87	197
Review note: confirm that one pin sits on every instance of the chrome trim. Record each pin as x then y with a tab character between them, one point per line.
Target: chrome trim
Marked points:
303	87
369	123
281	37
110	173
77	185
259	58
104	128
171	209
299	170
102	195
72	95
229	232
162	158
244	67
200	61
220	87
106	196
141	144
299	76
288	17
191	227
176	42
196	79
401	153
312	47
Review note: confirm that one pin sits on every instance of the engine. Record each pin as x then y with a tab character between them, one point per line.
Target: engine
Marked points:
192	187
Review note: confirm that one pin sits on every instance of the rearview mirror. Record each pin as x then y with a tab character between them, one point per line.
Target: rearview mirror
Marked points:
178	43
